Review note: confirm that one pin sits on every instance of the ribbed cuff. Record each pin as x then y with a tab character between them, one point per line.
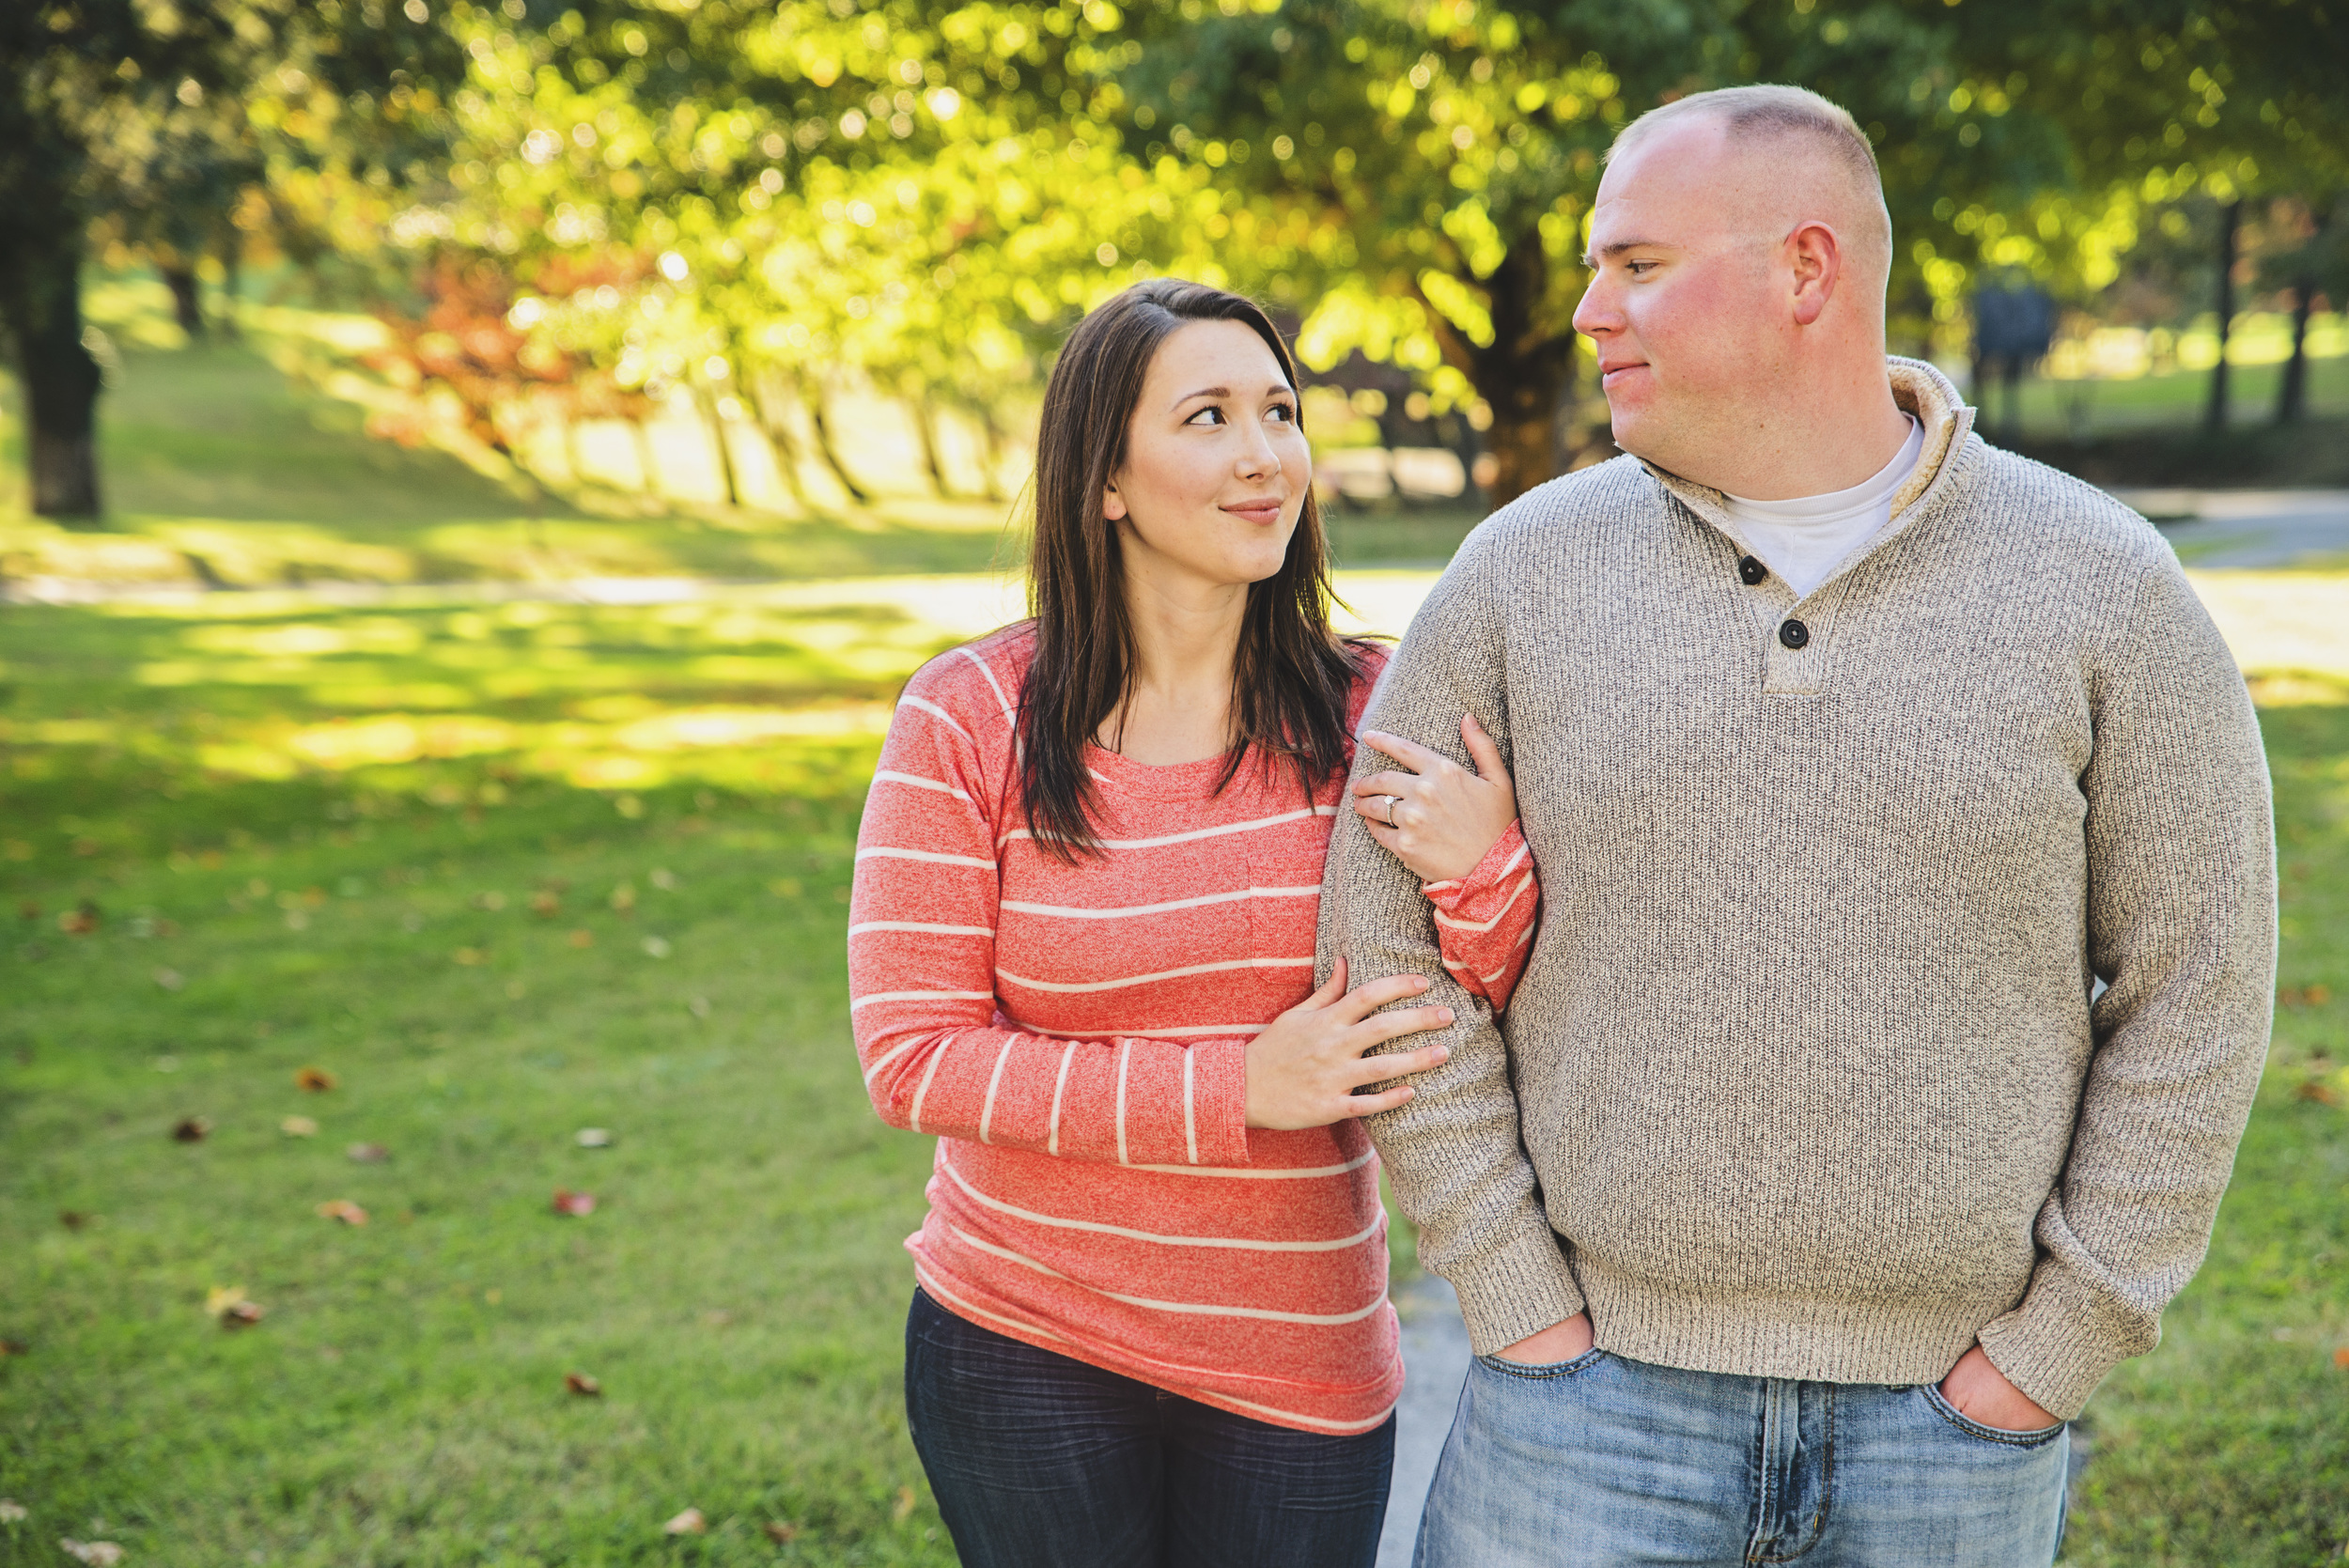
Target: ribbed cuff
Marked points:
1219	1105
2059	1345
1515	1291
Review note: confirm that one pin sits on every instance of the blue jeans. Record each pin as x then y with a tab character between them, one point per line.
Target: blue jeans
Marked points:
1602	1462
1039	1461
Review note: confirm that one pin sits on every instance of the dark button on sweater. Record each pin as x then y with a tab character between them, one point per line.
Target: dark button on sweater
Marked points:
1752	572
1793	633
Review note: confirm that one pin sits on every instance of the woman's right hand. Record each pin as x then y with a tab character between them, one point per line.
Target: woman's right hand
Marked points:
1303	1070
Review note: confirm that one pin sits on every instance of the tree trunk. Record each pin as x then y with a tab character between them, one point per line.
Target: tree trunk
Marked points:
2291	397
61	383
925	425
778	441
991	486
231	283
187	297
1523	375
709	406
813	397
647	473
2229	222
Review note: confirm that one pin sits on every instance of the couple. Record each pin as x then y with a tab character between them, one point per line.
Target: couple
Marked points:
1864	1089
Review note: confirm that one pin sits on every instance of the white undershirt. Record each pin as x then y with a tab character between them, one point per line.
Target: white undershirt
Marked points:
1805	539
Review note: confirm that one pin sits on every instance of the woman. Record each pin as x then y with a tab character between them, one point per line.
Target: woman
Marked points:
1152	1325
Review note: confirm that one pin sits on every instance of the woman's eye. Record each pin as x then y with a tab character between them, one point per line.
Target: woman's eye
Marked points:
1213	416
1283	413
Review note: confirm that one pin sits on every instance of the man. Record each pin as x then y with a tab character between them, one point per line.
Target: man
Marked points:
1809	1186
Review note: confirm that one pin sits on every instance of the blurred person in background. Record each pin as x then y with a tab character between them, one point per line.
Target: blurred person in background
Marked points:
1151	1326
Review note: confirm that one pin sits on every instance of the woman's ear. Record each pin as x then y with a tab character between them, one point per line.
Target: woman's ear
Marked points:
1113	504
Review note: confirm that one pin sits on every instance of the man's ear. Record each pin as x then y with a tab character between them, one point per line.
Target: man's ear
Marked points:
1113	503
1817	258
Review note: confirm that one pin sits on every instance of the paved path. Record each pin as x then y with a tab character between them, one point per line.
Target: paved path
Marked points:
1435	1363
2219	530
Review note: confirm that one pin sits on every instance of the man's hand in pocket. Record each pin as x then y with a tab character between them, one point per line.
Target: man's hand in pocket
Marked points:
1981	1392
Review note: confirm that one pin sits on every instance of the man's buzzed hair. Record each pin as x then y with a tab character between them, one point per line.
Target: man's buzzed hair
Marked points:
1770	109
1767	109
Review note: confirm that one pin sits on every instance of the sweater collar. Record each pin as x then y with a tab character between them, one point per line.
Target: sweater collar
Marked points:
1919	389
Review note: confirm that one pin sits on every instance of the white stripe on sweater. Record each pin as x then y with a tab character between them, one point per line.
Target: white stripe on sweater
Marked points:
921	996
1228	963
887	775
1298	816
1061	912
995	1079
882	852
941	714
1194	1309
862	926
1099	1227
1051	1146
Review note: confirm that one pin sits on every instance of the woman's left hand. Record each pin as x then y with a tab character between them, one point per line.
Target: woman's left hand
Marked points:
1437	817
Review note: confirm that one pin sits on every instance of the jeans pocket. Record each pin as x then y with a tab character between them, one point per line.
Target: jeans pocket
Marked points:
1951	1414
1534	1374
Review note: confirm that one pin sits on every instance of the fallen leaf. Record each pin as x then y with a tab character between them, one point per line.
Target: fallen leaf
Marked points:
79	922
663	878
314	1081
583	1385
904	1504
471	957
781	1530
170	980
2341	1357
15	1347
74	1219
369	1154
98	1554
624	897
2319	1090
687	1522
13	1511
546	904
2316	996
655	947
298	1126
593	1138
344	1210
582	939
574	1203
190	1129
228	1304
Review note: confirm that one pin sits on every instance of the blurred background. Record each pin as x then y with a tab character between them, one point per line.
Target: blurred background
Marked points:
475	475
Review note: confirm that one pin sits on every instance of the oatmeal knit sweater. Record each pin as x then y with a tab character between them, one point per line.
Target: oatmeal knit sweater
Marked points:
1807	1076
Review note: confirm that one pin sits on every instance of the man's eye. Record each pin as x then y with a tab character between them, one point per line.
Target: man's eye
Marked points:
1639	269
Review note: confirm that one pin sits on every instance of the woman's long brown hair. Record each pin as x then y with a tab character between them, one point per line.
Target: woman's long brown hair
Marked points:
1292	675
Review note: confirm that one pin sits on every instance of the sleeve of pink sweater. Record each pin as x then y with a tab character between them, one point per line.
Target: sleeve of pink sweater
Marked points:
1486	921
922	917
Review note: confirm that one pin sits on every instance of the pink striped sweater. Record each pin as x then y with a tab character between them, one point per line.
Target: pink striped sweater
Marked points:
1075	1038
